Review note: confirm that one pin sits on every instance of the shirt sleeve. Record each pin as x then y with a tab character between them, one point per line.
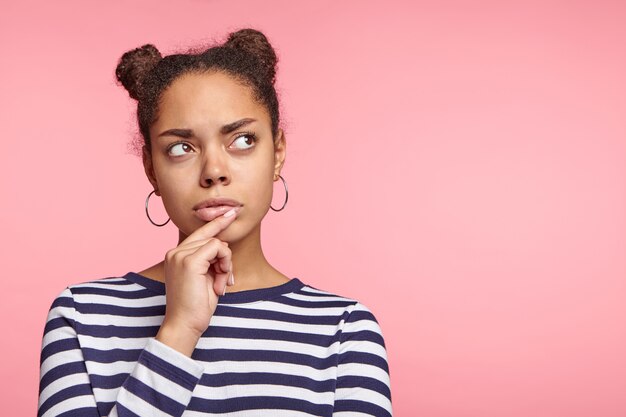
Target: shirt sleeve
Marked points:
160	384
363	383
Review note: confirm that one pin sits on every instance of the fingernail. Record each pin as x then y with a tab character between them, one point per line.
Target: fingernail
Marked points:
230	212
231	280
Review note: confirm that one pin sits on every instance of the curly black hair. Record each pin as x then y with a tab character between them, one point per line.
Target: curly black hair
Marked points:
246	55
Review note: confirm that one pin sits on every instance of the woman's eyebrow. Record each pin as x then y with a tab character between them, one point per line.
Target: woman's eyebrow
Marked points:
235	125
183	133
187	133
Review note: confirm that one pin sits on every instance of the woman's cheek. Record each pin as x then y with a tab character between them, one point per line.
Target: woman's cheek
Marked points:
182	217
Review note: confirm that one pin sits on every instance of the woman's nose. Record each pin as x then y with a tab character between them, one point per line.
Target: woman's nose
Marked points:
215	168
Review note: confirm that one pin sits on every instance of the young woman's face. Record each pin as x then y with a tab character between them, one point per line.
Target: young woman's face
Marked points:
212	139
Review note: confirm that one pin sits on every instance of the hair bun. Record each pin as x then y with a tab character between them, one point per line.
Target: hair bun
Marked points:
133	67
255	43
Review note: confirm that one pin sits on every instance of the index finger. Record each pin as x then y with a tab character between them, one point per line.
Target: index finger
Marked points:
213	227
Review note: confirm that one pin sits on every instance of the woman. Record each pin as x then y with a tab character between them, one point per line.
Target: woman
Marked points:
234	336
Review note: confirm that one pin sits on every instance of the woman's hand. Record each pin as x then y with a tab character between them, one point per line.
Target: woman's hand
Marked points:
197	272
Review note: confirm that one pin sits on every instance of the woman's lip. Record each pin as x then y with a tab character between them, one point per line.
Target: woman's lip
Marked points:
209	213
218	201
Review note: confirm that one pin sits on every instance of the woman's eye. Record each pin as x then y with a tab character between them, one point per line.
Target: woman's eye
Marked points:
178	149
244	141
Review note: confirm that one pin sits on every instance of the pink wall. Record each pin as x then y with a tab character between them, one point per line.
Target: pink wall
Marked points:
459	169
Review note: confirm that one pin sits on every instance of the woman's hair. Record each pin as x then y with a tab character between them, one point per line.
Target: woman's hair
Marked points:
246	55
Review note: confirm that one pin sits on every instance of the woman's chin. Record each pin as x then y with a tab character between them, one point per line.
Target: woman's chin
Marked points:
230	235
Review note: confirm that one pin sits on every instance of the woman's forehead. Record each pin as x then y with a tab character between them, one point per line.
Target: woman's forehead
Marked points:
215	98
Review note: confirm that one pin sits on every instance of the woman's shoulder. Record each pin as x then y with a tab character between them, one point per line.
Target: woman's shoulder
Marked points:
108	290
312	292
359	326
109	281
353	309
117	283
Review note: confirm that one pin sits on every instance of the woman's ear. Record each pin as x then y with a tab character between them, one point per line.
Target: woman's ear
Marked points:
149	168
280	152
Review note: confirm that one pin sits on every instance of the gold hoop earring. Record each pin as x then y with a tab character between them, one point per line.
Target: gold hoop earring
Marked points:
148	214
286	194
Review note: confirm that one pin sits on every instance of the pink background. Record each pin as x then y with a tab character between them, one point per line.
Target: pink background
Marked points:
459	168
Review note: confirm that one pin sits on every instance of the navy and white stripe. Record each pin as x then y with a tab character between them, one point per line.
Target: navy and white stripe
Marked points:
290	350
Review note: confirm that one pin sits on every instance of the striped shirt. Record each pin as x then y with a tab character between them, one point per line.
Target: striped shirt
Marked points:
290	350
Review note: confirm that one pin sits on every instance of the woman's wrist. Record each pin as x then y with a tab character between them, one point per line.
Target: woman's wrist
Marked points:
178	337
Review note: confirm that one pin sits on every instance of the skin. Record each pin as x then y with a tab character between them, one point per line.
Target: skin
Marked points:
211	163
